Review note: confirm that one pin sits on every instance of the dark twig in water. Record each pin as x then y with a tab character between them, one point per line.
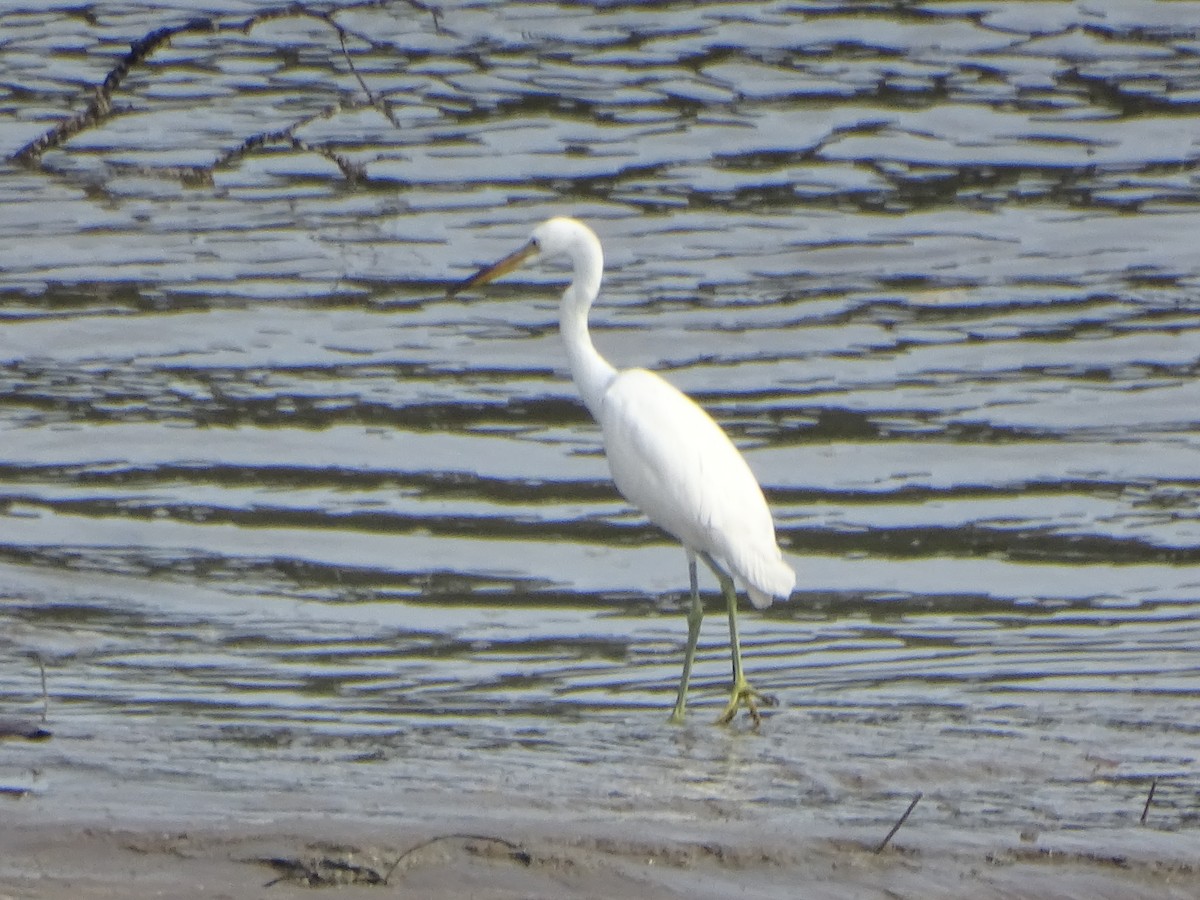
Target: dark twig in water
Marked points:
904	818
45	693
352	171
101	105
29	728
517	852
1149	800
372	98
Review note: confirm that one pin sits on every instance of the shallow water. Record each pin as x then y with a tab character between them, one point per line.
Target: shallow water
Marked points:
278	517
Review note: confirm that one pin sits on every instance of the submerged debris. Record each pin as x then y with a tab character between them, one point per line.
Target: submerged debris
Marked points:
322	871
27	729
331	866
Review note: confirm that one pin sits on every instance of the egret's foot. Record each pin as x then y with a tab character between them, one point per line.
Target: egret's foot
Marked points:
679	713
744	695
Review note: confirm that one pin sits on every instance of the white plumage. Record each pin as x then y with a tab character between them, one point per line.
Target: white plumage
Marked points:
674	463
667	457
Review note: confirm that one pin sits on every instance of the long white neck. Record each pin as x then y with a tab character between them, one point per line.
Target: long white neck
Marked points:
591	372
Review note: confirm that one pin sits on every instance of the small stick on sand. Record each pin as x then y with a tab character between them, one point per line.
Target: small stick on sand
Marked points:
1149	800
904	818
516	852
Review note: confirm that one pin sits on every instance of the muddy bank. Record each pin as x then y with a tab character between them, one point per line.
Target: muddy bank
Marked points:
493	853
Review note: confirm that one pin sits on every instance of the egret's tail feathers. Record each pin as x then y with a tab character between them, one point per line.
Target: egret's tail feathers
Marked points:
773	582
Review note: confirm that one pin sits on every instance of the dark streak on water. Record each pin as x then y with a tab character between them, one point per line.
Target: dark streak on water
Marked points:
933	267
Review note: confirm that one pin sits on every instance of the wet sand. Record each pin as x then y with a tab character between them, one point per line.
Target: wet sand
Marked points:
81	836
564	856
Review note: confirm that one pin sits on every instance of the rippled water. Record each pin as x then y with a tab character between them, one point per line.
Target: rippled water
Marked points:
267	497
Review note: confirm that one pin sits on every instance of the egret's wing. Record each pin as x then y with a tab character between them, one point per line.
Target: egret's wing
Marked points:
671	460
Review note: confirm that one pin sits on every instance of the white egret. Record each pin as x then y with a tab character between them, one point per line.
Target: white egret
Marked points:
667	457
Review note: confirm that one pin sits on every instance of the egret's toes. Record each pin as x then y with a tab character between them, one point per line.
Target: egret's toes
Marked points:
744	695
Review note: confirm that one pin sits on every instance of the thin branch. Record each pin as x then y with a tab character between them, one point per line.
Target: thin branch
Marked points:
351	170
101	105
904	818
384	109
46	693
518	853
1149	800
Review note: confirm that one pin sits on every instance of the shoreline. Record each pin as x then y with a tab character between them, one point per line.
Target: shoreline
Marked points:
506	852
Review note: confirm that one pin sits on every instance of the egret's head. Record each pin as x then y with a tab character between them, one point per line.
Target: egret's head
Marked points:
555	237
562	236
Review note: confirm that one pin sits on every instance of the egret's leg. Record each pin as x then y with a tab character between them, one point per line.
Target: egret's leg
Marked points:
694	617
742	692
